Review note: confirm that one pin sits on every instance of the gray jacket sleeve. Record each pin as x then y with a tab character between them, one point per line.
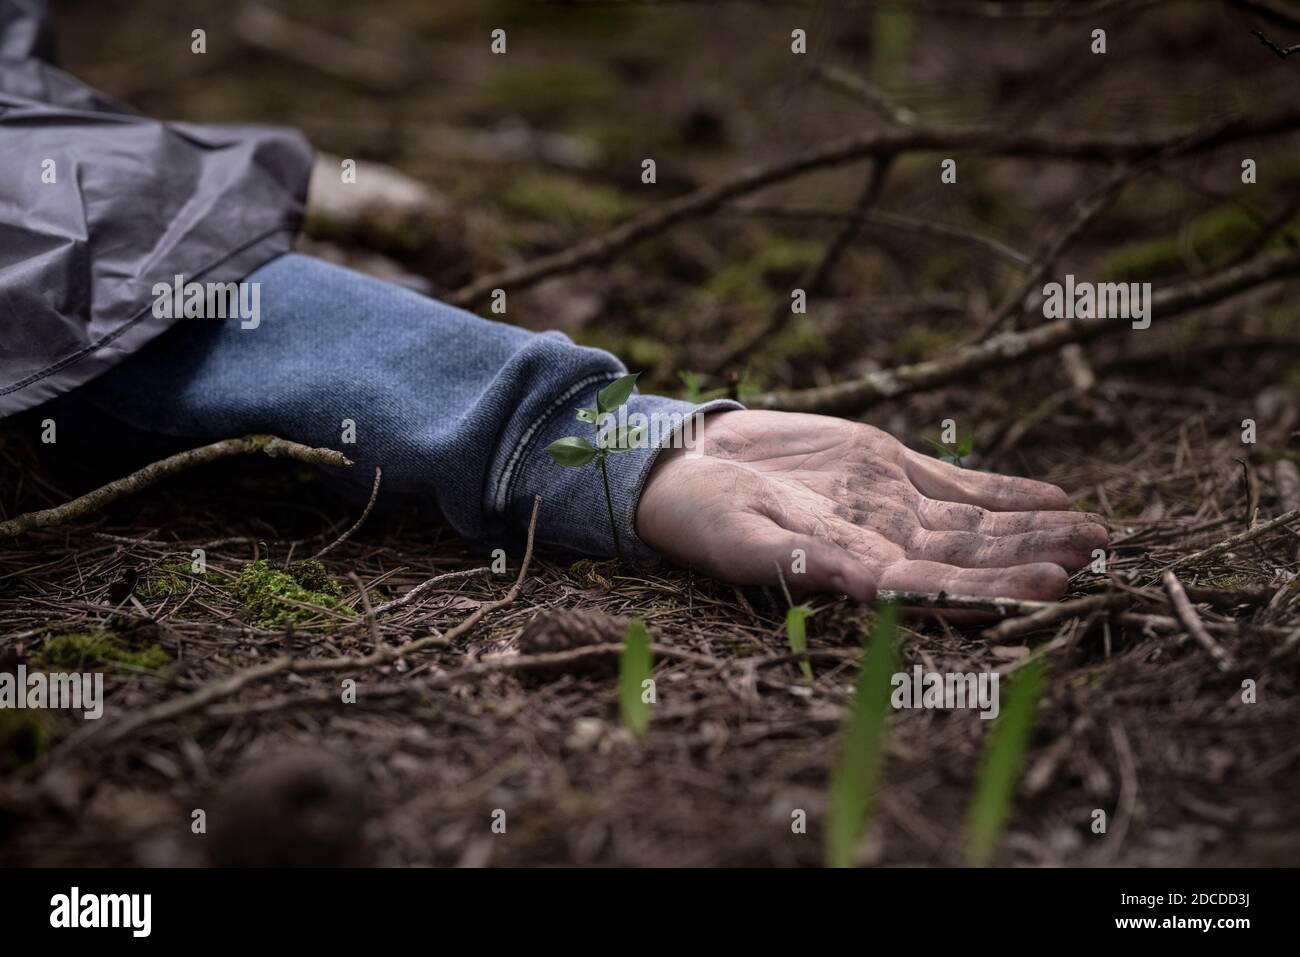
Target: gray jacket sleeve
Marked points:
98	203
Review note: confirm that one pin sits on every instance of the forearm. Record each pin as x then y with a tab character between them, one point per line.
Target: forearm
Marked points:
457	410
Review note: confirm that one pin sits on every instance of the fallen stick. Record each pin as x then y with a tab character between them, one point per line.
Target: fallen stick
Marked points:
816	277
999	606
1049	613
1054	144
365	514
1234	541
499	664
1192	621
1008	348
892	222
424	586
1084	213
859	89
166	468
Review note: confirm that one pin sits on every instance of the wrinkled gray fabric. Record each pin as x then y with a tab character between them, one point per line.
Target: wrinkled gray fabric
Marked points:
134	201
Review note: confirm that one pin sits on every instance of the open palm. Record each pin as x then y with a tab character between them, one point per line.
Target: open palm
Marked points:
843	507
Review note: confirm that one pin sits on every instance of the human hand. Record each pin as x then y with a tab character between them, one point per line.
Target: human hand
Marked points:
868	513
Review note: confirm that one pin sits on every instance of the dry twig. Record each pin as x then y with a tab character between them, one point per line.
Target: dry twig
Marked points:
1192	622
365	514
166	468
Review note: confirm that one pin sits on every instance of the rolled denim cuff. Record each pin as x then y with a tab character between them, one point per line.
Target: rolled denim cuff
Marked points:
574	514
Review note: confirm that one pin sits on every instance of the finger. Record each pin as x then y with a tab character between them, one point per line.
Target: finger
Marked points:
807	563
1041	581
1070	546
939	516
1001	493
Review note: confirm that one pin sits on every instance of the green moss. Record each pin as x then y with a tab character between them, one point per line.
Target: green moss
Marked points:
97	651
175	578
272	597
23	737
564	201
545	92
310	573
1212	237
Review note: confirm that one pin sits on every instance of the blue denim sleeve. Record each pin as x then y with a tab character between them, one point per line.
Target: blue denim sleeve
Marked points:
456	409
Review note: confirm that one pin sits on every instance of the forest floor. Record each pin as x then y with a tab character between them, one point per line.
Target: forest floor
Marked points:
1189	752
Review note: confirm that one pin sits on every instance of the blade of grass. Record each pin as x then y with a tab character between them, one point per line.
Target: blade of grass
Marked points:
853	781
633	670
798	637
1000	769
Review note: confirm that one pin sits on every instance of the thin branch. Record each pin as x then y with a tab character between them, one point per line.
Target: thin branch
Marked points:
816	277
166	468
404	600
1056	144
365	606
1009	348
1192	622
1085	212
1004	607
864	92
1234	541
1283	52
894	223
1049	613
365	514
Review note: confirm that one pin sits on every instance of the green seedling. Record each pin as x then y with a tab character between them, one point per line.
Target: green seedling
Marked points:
1000	769
574	451
953	454
862	748
797	635
633	672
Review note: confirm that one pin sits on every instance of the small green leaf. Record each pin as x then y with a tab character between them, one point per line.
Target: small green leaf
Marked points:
862	743
616	393
572	451
1000	769
794	630
633	671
